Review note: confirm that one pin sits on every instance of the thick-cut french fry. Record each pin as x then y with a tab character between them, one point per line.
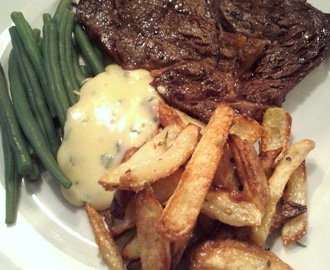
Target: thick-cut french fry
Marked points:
247	128
277	125
232	255
286	166
295	191
131	250
154	249
231	208
106	244
250	172
182	209
156	159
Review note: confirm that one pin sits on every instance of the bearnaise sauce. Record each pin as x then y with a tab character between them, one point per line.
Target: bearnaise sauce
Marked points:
114	113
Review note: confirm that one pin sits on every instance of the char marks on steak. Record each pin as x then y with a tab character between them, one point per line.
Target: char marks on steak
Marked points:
246	53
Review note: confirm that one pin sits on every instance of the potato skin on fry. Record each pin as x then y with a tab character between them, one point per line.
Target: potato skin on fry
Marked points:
232	255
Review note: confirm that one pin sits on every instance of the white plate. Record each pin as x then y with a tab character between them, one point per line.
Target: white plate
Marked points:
51	234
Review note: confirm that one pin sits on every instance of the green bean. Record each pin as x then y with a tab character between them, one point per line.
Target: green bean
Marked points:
17	140
99	53
65	53
12	178
86	70
37	35
80	75
88	51
26	33
63	5
29	125
34	91
53	69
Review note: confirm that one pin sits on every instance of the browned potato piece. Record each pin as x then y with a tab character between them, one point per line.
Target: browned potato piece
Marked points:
168	116
225	174
154	249
156	159
164	188
105	242
247	128
182	209
250	172
285	167
277	125
232	255
231	208
177	250
120	225
268	159
296	191
131	250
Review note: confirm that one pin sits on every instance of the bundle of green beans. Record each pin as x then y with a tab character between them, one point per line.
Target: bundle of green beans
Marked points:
46	68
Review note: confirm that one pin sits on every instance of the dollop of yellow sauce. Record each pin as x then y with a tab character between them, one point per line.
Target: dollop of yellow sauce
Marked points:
114	113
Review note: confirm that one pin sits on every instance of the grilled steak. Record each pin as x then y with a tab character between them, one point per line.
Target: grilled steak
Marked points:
246	53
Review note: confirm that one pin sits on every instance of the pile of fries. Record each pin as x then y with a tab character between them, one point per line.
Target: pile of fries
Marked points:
205	196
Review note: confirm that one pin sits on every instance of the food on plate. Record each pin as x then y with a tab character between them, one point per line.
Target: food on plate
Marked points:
196	204
224	254
215	172
248	54
295	155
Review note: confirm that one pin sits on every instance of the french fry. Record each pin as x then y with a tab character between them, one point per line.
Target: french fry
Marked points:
156	159
106	244
285	211
295	229
182	209
131	250
231	208
164	188
246	128
189	120
154	249
277	125
232	255
168	116
120	225
286	166
177	249
250	172
268	159
224	177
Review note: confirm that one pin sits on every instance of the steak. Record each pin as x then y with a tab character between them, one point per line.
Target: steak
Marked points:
246	53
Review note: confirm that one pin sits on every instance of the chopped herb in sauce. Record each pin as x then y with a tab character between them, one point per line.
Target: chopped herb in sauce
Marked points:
106	160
